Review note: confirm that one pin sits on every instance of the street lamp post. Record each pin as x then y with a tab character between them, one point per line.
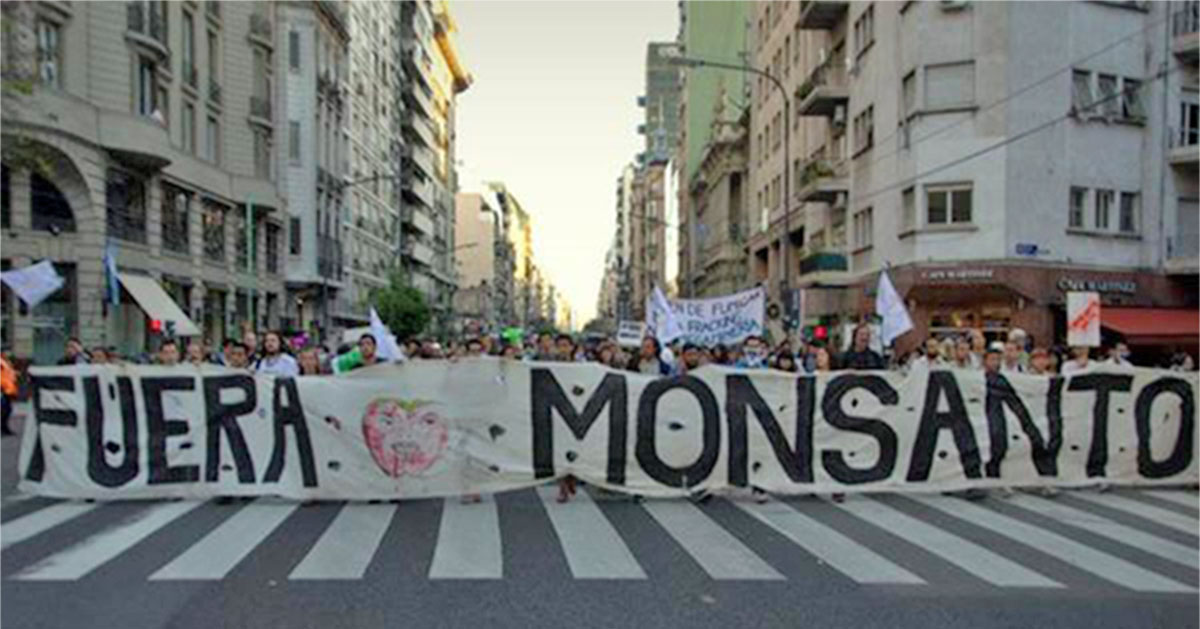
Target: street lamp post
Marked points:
785	281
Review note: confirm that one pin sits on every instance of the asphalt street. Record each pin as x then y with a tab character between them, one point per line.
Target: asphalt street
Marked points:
1122	559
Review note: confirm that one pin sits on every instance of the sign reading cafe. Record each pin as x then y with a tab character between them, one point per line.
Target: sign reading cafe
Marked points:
486	425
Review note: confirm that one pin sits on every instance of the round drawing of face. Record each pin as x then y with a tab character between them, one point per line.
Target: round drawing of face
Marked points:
404	436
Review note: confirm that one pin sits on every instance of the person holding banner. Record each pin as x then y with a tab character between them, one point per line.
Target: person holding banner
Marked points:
647	360
8	393
273	359
73	353
861	356
1080	361
168	353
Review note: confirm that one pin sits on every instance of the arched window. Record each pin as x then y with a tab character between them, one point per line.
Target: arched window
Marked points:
49	208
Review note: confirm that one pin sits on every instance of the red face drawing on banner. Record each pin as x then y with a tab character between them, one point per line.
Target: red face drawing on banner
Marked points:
404	436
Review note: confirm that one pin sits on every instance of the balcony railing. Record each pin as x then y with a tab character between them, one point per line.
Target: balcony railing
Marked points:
143	18
214	91
823	261
260	107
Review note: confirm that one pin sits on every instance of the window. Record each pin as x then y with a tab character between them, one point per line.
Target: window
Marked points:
272	248
1081	82
908	209
214	232
1128	220
189	128
1109	104
189	49
950	85
1104	202
53	212
214	55
125	201
864	30
864	228
946	205
262	155
213	140
294	236
1131	101
864	129
294	50
174	219
49	53
908	90
1078	203
294	141
147	88
1189	125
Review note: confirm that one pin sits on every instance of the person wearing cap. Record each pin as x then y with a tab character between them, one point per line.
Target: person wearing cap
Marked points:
1039	362
993	358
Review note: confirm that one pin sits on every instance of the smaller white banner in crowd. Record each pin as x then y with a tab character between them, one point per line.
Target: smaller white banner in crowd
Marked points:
720	320
33	284
1083	319
630	333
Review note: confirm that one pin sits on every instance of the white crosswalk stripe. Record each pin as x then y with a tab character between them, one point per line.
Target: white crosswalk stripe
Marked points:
468	545
93	552
470	542
345	549
845	555
593	548
967	555
225	546
1104	527
39	521
1158	515
1105	566
1186	498
716	550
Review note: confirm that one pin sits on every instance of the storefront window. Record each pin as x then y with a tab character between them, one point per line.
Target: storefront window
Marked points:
56	319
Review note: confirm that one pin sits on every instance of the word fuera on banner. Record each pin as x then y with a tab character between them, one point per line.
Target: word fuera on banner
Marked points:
433	428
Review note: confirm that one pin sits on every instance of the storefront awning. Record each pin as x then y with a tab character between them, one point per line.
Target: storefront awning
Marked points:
1153	326
157	304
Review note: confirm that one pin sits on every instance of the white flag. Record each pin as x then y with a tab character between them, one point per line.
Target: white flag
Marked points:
890	308
385	342
35	283
661	318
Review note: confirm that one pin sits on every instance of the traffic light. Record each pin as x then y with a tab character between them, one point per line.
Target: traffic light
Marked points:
156	326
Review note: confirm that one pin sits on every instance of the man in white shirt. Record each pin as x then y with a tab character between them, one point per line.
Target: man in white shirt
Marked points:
274	360
1119	355
1012	359
1080	361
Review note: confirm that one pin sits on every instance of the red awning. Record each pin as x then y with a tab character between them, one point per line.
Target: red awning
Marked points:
1153	326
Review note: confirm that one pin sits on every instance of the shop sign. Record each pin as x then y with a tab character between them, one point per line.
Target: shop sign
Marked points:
1068	284
957	275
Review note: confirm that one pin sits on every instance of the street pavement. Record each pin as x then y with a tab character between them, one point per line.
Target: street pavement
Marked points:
1125	558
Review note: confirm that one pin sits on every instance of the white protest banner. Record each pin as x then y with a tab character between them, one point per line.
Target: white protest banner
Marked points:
35	283
724	320
630	333
437	428
1083	319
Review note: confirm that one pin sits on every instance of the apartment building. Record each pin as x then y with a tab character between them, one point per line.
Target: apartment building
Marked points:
314	82
152	127
435	75
993	155
485	264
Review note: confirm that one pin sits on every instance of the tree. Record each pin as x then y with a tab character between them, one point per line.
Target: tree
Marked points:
401	307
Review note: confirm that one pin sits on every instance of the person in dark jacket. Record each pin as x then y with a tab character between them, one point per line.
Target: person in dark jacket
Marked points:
861	356
648	359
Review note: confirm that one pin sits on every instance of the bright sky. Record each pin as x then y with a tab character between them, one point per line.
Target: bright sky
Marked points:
553	114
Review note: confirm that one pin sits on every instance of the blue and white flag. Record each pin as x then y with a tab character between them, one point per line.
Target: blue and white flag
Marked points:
385	342
34	283
112	283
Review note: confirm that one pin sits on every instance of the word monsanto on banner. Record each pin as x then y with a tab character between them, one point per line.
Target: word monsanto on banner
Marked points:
720	320
487	425
1083	319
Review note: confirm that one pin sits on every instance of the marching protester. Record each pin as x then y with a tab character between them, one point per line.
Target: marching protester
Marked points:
861	356
274	360
366	347
1080	361
963	358
1118	355
168	353
250	340
754	353
647	360
8	393
1039	362
100	355
690	358
1012	358
309	363
195	352
73	353
236	355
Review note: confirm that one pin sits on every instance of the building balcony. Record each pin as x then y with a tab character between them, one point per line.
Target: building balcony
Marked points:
823	91
421	159
145	27
817	15
419	102
822	181
418	220
1184	152
260	111
1185	30
821	267
418	190
419	130
260	30
418	252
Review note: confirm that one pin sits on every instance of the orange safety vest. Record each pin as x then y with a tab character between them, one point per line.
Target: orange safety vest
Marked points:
8	378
